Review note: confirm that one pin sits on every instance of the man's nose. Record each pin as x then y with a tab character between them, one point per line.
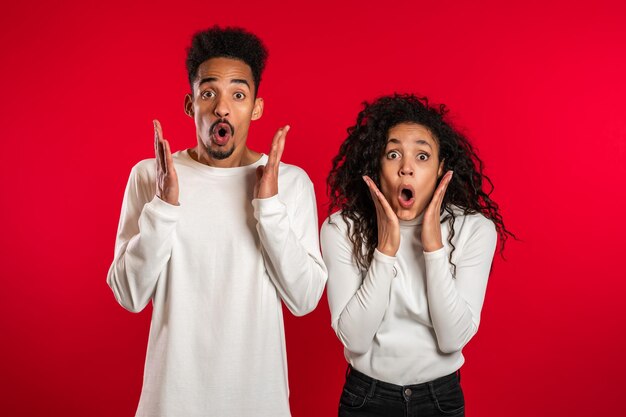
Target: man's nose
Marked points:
221	108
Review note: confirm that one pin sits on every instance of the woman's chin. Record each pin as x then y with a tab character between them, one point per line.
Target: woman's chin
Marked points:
406	215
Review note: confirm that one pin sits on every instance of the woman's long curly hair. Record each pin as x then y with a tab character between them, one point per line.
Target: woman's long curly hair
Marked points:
361	154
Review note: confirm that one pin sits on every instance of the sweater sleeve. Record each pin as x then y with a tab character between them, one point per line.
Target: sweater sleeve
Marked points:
455	303
143	244
357	304
291	249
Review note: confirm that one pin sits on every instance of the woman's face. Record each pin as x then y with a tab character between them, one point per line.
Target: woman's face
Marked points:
409	170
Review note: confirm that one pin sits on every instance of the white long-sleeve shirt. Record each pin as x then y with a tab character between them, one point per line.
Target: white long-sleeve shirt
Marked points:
406	319
216	268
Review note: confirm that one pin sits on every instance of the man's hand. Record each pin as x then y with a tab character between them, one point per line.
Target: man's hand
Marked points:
431	225
166	178
267	175
387	221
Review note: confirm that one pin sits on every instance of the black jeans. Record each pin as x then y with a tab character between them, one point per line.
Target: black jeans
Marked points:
367	397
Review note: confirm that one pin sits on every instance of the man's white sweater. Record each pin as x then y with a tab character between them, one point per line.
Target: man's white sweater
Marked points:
216	268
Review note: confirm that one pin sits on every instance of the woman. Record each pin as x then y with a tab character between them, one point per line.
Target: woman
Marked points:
408	256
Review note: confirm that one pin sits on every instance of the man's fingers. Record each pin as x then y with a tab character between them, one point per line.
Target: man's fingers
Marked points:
157	129
159	146
162	161
169	161
156	136
156	143
259	172
278	145
273	148
159	157
281	145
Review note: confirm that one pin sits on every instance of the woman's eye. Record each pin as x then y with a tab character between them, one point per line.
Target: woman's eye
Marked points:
423	157
240	96
393	155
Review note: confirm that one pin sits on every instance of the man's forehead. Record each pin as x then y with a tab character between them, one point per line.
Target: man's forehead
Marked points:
224	69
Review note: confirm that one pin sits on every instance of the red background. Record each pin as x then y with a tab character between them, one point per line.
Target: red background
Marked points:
539	87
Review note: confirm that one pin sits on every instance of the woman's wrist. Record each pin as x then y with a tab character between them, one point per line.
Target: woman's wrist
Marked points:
388	250
432	246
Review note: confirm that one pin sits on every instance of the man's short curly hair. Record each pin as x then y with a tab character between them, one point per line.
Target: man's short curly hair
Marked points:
229	42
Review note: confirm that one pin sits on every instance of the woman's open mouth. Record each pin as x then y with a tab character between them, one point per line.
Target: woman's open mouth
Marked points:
406	197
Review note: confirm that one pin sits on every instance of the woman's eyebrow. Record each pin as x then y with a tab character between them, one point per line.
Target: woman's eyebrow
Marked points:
423	142
419	142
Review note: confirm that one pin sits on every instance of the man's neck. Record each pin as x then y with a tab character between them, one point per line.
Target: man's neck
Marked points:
245	156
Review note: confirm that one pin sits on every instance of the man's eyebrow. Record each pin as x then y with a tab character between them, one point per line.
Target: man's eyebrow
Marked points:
240	81
233	81
207	80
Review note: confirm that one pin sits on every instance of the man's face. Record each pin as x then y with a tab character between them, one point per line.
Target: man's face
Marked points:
222	105
410	167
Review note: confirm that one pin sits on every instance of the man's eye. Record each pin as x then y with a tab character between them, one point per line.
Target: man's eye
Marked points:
423	157
239	96
393	155
207	94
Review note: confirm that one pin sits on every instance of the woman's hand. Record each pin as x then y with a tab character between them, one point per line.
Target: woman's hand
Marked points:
387	221
431	224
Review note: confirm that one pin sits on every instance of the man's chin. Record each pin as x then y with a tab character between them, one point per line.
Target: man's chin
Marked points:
220	153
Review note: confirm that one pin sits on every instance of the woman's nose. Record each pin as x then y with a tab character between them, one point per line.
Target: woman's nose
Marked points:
406	170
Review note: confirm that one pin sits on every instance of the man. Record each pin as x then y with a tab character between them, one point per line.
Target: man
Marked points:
216	236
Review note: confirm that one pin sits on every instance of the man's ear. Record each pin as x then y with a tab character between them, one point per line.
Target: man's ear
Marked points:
257	111
189	105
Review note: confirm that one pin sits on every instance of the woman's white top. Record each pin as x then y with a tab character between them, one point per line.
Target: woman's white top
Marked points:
406	319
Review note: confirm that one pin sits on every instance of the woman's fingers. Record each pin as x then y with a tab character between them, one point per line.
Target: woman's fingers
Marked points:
441	190
431	227
373	192
385	204
388	228
379	198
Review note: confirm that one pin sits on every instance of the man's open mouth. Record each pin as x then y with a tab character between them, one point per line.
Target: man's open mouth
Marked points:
221	132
